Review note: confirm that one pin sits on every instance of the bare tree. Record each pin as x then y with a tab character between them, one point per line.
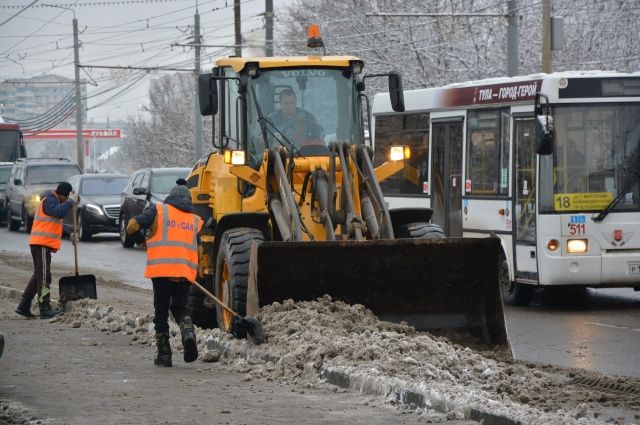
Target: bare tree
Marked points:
163	134
433	51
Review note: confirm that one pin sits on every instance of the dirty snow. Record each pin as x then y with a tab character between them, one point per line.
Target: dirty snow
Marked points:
328	334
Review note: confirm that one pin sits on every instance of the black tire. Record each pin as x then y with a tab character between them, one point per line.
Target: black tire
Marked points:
12	225
420	230
125	239
83	233
232	272
513	293
28	222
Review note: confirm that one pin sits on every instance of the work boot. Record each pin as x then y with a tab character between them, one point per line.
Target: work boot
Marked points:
164	349
24	308
189	343
47	312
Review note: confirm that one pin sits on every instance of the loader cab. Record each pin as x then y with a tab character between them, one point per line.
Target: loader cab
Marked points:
303	104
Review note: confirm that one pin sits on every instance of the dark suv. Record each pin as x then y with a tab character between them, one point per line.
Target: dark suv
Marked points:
28	179
149	185
5	170
98	203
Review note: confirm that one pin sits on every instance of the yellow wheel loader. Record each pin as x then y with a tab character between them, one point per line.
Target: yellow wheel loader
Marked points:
294	208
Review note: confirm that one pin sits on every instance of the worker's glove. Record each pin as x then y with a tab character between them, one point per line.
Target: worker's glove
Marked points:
73	237
132	226
73	196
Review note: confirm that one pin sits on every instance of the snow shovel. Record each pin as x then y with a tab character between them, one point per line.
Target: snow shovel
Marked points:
248	323
78	286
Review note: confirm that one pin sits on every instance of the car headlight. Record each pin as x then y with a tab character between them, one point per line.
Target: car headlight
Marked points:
94	208
35	199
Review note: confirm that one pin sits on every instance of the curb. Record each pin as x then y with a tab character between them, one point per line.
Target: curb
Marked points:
398	391
11	293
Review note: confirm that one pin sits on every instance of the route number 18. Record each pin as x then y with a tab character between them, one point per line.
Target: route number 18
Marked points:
564	202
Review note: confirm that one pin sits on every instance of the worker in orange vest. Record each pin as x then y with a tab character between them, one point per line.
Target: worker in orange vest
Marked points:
46	234
172	264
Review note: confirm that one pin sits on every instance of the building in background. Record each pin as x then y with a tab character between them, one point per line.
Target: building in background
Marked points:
25	99
41	103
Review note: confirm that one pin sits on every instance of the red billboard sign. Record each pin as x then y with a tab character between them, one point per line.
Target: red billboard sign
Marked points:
70	134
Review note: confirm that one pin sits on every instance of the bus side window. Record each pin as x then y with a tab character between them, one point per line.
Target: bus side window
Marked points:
408	130
487	150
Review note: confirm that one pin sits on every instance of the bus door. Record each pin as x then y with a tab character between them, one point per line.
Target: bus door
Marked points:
447	176
525	196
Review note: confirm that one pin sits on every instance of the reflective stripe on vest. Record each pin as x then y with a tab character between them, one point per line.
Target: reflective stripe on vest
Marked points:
173	250
46	230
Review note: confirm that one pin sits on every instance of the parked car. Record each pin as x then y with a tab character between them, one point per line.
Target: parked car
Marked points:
146	186
30	177
5	170
98	204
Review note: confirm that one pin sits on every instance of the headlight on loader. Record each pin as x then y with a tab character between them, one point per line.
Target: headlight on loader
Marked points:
234	157
576	246
399	153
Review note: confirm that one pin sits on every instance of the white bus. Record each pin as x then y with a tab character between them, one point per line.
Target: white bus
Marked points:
563	198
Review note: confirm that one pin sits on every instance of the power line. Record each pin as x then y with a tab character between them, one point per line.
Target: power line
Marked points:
137	68
19	12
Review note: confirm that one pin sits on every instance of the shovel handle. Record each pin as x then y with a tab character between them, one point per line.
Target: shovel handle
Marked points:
74	213
214	298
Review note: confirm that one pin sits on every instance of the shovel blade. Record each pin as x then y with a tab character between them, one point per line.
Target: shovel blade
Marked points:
77	287
253	328
448	286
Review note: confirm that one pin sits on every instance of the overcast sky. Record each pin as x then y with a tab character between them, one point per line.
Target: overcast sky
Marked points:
38	40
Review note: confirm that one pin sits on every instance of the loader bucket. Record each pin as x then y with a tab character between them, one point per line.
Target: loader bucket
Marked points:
449	287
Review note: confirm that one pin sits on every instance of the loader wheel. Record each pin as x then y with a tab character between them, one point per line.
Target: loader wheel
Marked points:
513	293
232	272
420	231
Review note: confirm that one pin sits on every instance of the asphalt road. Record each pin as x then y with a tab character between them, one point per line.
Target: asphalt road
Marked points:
598	330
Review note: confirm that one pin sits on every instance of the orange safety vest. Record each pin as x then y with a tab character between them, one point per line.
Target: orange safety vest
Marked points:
46	230
172	251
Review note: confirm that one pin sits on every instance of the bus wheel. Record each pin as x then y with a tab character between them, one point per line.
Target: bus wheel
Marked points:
513	293
420	231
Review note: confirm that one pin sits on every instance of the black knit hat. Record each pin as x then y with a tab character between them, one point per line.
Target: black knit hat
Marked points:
64	189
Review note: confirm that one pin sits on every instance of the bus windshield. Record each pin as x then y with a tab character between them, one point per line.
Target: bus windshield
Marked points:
596	154
307	107
9	145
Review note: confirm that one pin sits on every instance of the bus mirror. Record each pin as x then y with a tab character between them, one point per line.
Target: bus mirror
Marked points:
544	125
544	136
396	94
207	94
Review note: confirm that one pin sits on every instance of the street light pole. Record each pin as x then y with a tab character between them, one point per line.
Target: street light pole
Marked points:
76	58
76	61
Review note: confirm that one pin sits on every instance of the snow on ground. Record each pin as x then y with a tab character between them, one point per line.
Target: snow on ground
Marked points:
332	334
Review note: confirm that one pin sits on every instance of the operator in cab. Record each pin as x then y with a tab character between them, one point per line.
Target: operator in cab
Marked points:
295	124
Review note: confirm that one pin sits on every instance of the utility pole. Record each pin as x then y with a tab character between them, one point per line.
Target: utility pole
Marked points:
546	36
236	17
79	139
513	60
196	109
268	15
